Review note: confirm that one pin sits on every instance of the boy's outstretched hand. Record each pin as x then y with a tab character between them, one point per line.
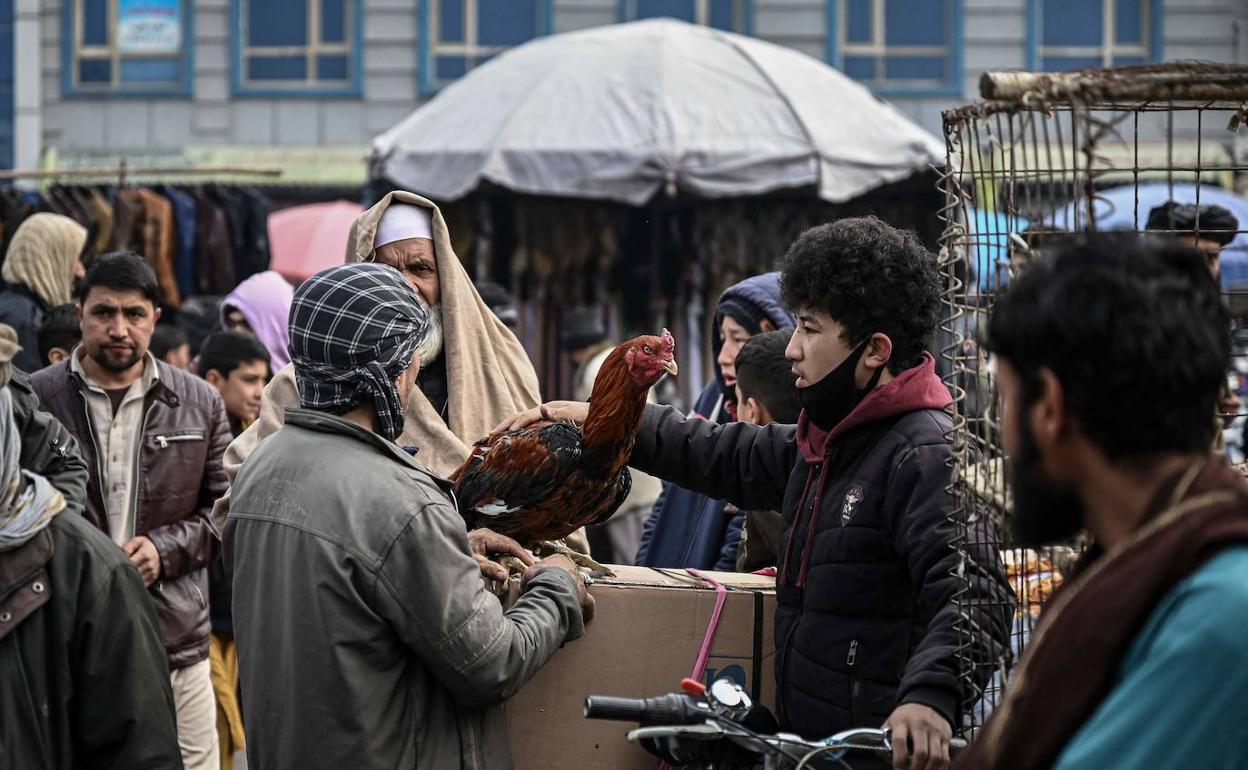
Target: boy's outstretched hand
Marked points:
568	411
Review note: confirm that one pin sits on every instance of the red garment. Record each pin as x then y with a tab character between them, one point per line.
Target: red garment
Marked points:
914	389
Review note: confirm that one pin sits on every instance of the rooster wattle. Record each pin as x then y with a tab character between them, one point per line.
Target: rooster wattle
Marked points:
539	484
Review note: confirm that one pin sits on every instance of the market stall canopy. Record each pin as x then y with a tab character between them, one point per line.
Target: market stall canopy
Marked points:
624	111
305	240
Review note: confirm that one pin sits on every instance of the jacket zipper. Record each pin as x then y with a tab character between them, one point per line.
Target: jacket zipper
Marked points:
808	506
134	471
165	441
200	593
99	469
852	657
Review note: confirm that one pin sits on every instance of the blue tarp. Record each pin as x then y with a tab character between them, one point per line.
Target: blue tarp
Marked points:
1116	210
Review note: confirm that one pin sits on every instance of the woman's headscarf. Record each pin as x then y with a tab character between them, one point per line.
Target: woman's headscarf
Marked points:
27	501
264	300
43	256
353	330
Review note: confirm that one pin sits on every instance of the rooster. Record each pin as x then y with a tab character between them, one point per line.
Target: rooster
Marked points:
539	484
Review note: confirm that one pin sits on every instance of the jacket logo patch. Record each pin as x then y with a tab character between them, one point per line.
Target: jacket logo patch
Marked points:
853	496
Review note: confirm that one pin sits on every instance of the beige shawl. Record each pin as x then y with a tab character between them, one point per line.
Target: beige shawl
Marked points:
489	376
43	255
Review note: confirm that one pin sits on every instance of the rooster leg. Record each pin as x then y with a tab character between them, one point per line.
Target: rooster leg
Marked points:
513	565
548	547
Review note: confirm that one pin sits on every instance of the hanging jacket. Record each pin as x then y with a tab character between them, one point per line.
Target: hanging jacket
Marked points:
867	613
686	528
184	214
214	252
158	243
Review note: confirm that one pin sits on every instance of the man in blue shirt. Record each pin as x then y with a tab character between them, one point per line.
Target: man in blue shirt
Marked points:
1110	357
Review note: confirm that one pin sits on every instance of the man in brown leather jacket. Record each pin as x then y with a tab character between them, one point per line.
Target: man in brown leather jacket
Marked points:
153	437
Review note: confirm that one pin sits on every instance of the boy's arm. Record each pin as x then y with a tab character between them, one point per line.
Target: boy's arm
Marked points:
746	465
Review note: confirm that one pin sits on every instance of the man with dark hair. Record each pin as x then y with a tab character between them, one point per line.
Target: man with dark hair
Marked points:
237	365
765	394
379	646
169	344
1138	659
1206	228
58	334
872	616
152	437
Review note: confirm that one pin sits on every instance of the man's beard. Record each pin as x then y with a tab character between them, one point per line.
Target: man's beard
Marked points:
110	362
431	346
1046	511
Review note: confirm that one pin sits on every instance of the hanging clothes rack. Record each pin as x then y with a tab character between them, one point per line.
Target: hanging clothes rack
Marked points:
123	171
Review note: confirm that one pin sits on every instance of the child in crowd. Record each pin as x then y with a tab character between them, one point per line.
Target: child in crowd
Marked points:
59	334
765	394
169	344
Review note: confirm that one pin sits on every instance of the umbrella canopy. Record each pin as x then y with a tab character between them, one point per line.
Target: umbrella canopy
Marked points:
304	240
624	111
1116	209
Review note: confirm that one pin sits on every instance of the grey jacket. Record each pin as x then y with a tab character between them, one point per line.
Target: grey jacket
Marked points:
48	448
366	638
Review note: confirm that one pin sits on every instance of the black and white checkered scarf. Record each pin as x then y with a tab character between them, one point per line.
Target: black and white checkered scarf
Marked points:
353	330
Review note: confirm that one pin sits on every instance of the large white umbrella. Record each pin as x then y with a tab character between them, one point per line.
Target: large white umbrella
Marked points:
624	111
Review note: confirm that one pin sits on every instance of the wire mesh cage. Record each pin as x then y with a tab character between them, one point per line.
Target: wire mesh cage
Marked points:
1044	157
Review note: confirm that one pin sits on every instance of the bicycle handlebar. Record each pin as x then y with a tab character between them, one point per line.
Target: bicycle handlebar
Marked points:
673	709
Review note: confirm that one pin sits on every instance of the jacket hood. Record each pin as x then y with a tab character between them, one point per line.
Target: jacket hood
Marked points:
264	300
759	297
43	254
489	376
913	390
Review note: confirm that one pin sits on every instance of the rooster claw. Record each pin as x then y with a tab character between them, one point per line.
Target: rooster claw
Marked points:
579	559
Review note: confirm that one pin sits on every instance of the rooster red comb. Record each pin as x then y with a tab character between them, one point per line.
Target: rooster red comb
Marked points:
667	342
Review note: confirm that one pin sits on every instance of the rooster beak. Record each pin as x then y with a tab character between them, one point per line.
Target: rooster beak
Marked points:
671	368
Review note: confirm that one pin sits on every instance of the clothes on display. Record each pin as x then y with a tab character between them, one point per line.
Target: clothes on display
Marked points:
199	239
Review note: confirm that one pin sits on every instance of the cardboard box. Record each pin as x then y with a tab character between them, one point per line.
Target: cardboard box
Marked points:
647	630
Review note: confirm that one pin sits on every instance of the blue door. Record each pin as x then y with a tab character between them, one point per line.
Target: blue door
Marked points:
6	83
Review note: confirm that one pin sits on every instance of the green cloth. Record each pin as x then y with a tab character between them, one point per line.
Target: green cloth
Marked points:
1181	700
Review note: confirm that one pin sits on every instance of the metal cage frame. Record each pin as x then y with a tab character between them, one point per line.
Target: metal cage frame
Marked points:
1025	168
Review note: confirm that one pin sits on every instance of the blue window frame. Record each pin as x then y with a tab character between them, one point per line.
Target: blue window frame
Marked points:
6	83
1079	34
126	47
296	47
458	35
729	15
898	47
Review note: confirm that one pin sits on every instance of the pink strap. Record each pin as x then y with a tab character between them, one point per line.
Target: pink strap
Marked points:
721	595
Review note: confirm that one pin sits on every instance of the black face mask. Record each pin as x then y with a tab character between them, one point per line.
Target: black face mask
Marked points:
831	399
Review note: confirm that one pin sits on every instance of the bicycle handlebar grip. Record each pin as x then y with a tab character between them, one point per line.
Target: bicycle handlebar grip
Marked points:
618	709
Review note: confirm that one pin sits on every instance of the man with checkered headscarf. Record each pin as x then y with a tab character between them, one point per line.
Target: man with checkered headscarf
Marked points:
366	636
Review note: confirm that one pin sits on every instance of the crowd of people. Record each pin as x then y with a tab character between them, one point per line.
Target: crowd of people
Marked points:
248	542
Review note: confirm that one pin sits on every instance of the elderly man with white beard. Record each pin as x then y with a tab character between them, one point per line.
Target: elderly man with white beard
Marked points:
474	373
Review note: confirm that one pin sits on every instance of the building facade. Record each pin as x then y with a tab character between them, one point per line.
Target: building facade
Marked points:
84	77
